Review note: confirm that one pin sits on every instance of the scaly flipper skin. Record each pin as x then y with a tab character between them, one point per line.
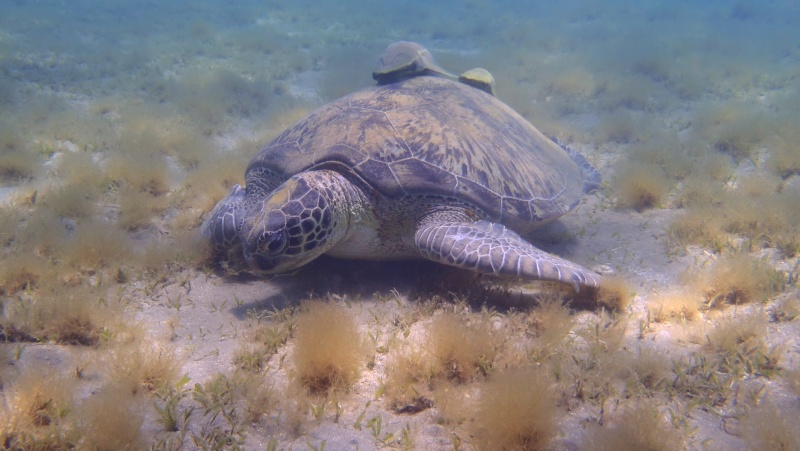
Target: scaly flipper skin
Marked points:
490	248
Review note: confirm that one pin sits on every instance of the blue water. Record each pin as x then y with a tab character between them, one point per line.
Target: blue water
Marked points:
595	74
680	50
136	117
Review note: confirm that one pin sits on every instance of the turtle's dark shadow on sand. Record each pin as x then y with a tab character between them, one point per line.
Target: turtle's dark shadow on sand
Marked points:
417	281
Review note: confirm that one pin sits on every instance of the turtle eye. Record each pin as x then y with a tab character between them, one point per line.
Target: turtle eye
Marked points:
274	242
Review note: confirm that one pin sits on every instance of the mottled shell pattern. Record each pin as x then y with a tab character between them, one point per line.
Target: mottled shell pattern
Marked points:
432	136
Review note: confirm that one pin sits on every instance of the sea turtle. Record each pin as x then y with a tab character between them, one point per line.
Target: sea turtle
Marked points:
425	167
405	59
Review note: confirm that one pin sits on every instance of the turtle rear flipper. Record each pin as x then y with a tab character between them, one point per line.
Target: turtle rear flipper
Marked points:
591	176
490	248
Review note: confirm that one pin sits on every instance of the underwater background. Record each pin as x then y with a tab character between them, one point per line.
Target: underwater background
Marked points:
122	123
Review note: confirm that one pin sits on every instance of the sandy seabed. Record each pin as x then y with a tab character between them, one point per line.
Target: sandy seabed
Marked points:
118	133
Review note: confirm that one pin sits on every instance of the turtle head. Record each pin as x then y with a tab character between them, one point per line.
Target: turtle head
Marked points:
290	228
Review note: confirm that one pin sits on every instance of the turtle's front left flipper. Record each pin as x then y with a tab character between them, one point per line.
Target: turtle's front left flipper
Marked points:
493	249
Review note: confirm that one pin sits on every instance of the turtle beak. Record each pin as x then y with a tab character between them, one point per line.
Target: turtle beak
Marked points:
259	263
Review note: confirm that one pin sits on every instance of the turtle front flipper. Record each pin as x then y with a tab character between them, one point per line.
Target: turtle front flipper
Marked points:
493	249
